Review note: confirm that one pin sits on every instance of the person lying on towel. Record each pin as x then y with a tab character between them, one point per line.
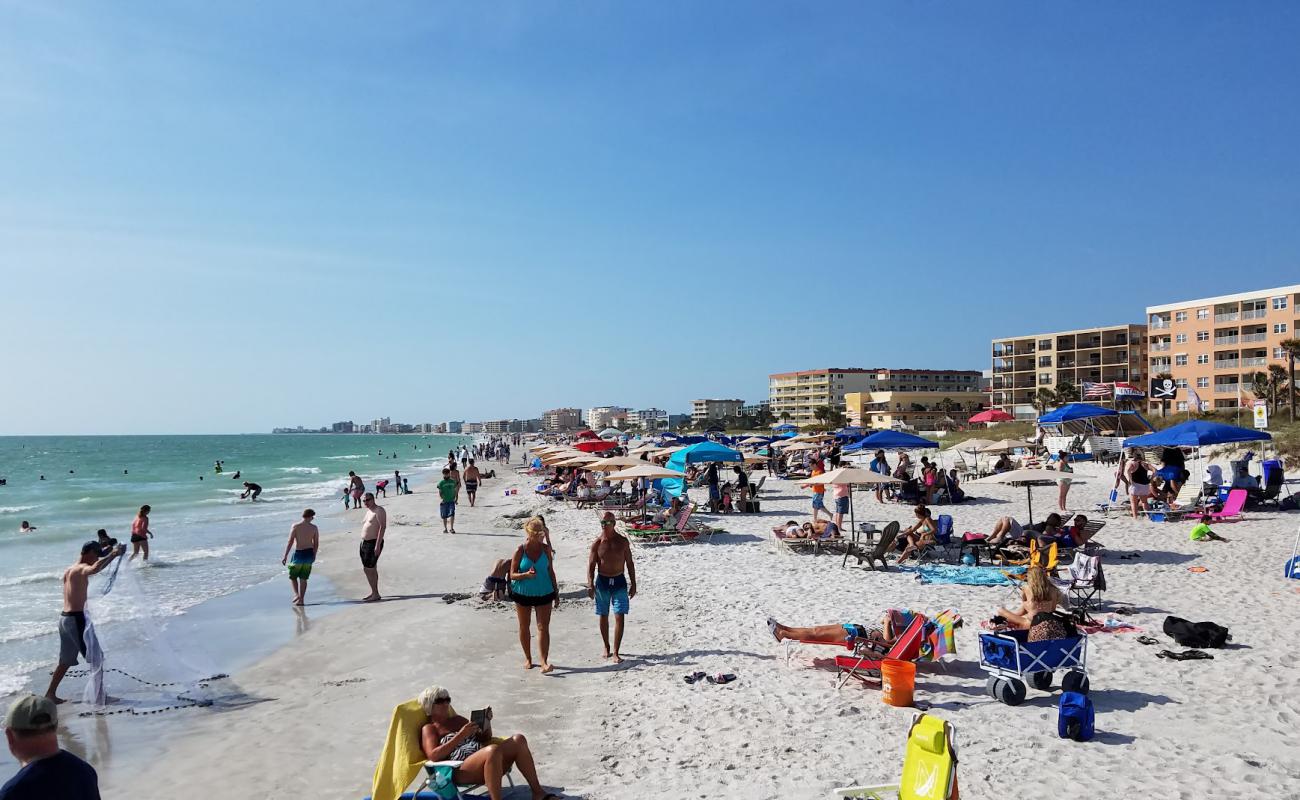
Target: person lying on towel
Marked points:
892	625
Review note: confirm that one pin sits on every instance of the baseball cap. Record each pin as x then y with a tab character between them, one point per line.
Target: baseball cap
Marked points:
32	714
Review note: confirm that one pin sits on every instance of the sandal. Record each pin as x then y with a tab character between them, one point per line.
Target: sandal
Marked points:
1147	640
694	677
1186	655
721	678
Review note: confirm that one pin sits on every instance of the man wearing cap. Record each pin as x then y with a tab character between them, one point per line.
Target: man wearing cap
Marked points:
47	772
72	625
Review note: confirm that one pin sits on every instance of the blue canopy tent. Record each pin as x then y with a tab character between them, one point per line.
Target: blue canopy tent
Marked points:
1197	433
1087	418
703	452
890	440
850	432
785	426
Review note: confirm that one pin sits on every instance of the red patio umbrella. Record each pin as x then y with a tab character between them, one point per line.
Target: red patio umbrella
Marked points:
595	445
588	434
991	415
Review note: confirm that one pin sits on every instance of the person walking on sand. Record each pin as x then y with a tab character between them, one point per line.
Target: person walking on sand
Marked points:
397	480
72	623
447	490
304	538
372	544
471	482
533	588
357	488
140	534
454	472
610	555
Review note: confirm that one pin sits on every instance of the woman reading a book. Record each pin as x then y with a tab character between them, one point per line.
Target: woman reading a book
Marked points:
447	736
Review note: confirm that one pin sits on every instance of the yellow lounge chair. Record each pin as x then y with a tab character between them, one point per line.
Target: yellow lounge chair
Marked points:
929	766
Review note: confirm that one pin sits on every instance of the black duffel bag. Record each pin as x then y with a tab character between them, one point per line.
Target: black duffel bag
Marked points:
1196	634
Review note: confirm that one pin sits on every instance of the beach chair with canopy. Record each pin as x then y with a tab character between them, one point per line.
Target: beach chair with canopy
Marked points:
929	766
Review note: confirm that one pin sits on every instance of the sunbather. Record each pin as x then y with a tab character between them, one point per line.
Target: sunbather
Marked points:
919	535
447	736
1076	535
1006	531
879	638
666	516
1039	598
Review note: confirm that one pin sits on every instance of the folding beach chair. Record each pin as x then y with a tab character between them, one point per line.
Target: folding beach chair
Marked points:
1232	507
929	766
1086	584
865	662
945	545
437	774
679	532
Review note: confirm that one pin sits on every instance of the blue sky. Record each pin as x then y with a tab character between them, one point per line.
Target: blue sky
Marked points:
220	217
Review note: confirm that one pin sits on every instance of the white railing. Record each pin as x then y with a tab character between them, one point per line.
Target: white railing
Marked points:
1258	313
1254	337
1226	388
1159	323
1161	346
1254	362
1225	340
1227	363
1234	316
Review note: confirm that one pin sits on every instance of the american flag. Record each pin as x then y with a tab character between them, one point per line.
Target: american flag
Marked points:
1095	390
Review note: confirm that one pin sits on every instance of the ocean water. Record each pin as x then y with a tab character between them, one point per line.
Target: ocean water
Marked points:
208	543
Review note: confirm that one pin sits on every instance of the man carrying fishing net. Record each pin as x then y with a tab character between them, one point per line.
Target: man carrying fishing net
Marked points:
73	623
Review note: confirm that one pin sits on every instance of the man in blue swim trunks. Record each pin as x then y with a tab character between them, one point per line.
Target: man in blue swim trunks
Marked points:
611	554
304	539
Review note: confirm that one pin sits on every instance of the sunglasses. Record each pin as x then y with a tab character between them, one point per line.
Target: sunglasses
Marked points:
441	700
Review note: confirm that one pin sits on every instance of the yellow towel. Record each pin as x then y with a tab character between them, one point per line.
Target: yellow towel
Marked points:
401	759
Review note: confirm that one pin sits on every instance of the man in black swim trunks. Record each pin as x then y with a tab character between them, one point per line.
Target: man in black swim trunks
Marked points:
372	544
251	491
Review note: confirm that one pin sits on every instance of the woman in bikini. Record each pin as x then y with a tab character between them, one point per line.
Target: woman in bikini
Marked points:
1039	598
920	534
140	534
447	736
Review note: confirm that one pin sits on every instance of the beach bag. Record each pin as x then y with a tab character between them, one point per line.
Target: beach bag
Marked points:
1074	717
1196	634
441	783
1289	503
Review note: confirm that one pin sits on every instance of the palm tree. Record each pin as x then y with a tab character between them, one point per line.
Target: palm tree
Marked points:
1261	387
1067	392
1292	349
1043	399
1276	382
822	413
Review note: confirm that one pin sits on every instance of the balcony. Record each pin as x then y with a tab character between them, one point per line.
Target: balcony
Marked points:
1158	323
1253	337
1225	340
1161	346
1227	363
1227	388
1254	362
1160	366
1229	317
1255	313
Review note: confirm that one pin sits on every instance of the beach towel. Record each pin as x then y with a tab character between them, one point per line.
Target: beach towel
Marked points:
401	759
964	576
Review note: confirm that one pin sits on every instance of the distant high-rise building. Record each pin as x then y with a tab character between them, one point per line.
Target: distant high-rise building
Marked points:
440	427
342	427
702	410
562	419
602	417
454	427
648	419
471	427
795	396
497	426
1024	365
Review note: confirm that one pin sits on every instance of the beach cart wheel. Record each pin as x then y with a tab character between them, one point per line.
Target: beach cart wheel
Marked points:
1009	691
1075	681
1042	681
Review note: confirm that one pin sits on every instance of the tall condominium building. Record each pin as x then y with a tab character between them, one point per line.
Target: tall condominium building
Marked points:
562	419
1215	345
915	398
602	417
496	426
648	419
454	426
702	410
471	427
795	396
1022	365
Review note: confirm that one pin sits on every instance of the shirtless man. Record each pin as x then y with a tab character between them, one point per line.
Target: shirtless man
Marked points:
304	538
455	476
471	482
357	488
610	554
72	625
372	544
251	491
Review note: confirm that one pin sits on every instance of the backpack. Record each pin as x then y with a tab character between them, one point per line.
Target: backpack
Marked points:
1196	634
1074	719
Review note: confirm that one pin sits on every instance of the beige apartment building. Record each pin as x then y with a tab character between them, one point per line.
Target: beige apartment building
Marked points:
794	396
1215	345
1024	364
702	410
921	399
562	419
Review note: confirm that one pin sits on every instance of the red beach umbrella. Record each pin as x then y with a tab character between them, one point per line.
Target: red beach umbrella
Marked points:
992	415
595	445
588	434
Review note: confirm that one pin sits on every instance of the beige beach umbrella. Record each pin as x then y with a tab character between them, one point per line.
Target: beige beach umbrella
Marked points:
850	476
576	461
754	458
1003	446
797	446
1028	478
645	448
644	471
972	445
614	464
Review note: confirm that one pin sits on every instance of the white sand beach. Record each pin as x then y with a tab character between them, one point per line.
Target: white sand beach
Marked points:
1221	727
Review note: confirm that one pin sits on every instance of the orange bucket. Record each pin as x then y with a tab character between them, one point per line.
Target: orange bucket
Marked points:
897	680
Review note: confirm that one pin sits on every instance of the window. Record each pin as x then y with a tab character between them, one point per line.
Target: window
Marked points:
1044	344
1279	327
1182	405
1202	336
1180	361
1181	338
1279	353
1203	358
1045	378
1202	313
1279	303
1180	316
1181	383
1202	383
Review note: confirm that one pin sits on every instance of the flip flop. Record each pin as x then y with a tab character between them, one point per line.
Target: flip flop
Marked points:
1147	640
1198	569
694	677
721	678
771	628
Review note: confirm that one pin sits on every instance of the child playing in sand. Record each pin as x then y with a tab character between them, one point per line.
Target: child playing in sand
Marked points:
1201	532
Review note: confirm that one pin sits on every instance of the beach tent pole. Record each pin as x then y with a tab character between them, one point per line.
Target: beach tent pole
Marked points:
1029	496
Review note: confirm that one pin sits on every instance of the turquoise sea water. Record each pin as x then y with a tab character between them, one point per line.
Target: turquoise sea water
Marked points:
207	541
